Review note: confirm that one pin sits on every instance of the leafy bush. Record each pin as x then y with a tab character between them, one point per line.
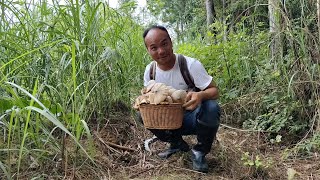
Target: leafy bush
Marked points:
256	93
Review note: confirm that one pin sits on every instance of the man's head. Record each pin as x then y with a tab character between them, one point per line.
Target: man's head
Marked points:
155	27
159	46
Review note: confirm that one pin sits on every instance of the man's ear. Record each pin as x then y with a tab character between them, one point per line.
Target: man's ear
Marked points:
145	43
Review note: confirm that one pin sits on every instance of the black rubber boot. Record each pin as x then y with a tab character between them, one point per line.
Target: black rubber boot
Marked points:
174	137
199	162
205	137
174	148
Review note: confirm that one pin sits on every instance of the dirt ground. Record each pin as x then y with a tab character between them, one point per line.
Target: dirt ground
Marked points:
237	154
119	154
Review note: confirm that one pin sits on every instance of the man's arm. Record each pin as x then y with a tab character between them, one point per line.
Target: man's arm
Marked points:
211	92
195	98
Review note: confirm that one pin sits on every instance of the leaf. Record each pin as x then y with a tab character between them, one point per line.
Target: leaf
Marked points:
56	108
5	170
34	163
56	122
276	74
51	117
291	173
278	138
5	104
257	161
85	125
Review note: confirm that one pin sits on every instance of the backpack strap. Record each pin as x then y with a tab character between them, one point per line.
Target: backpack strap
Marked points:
152	74
186	74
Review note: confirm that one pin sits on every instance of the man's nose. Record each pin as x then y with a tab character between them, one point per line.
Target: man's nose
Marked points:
161	50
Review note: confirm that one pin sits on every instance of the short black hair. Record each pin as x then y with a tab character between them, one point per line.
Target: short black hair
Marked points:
155	27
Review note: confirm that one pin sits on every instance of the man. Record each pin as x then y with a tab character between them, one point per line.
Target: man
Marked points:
202	116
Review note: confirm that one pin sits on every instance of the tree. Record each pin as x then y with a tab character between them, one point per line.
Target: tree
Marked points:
183	16
128	6
318	13
274	23
211	14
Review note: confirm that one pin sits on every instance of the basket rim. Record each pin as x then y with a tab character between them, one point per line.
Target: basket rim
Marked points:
161	104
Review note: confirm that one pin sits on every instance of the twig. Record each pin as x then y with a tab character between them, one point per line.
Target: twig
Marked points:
104	143
64	155
185	169
243	130
143	171
114	145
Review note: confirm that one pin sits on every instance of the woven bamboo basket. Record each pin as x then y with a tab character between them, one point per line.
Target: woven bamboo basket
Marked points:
162	116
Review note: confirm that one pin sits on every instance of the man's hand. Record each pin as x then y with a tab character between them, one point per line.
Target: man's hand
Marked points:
193	99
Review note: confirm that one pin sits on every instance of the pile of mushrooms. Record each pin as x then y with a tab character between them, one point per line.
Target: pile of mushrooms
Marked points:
159	93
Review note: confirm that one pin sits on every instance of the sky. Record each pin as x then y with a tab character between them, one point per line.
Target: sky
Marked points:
114	3
140	12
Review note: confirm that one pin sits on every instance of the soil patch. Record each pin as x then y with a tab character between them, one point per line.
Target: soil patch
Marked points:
237	154
119	154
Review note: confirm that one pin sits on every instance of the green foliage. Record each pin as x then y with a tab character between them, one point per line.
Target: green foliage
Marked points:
185	17
127	7
241	66
256	164
248	161
78	59
306	148
253	13
64	67
276	115
232	63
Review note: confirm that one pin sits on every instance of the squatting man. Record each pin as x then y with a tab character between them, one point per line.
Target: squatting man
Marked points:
202	115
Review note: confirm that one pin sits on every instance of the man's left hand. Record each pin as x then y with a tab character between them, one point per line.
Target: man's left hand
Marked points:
193	99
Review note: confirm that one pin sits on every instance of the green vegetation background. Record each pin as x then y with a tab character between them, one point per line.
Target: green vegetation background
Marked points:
63	66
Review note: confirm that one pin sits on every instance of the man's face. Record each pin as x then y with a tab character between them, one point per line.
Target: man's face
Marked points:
159	46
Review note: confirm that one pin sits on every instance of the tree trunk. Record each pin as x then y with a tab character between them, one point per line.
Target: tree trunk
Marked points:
274	23
211	14
224	19
318	13
182	20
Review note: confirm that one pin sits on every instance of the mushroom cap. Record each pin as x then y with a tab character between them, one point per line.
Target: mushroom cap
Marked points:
151	97
161	92
158	98
158	87
142	99
158	93
179	96
169	99
143	90
150	84
171	90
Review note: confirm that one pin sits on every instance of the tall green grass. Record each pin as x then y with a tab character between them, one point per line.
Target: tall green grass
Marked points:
62	65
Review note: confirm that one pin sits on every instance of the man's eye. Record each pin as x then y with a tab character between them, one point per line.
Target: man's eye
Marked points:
153	49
